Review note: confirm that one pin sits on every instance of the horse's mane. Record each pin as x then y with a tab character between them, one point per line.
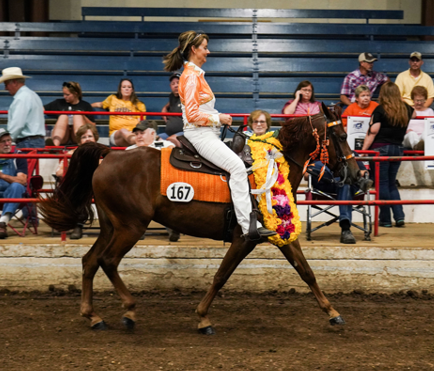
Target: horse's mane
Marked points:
295	131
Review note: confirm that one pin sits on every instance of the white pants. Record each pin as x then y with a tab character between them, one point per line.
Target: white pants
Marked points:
207	142
411	139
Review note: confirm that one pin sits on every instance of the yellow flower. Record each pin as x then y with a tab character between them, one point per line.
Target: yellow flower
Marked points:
260	145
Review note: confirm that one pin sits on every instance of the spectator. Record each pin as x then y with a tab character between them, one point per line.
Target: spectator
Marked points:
67	125
26	123
363	106
260	122
13	180
386	132
125	100
414	76
364	75
174	124
330	184
304	102
146	136
85	134
414	136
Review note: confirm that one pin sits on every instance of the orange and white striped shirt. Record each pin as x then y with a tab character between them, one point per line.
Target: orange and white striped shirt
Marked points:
197	99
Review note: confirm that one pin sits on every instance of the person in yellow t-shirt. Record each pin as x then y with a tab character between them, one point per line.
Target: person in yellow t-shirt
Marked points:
120	127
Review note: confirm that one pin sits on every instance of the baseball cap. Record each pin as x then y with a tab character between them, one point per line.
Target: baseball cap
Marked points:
416	55
367	57
3	132
145	124
176	74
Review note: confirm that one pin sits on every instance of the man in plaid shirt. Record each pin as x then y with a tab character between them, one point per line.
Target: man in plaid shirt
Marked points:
364	75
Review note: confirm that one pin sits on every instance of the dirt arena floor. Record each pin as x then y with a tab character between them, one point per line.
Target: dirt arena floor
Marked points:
270	331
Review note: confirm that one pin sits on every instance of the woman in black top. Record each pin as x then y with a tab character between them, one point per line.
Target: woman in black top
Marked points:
67	125
386	132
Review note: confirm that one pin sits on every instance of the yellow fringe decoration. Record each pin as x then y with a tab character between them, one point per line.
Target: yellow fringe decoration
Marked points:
285	219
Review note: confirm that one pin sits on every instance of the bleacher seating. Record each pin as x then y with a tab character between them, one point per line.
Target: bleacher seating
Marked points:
253	64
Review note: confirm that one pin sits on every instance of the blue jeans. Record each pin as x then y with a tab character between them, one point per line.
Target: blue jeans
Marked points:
32	143
345	192
388	188
14	190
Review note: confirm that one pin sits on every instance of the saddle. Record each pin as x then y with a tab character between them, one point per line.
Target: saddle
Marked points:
187	158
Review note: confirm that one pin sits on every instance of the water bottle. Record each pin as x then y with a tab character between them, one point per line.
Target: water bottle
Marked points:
70	120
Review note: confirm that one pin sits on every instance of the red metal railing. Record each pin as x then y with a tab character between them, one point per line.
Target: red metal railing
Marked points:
376	159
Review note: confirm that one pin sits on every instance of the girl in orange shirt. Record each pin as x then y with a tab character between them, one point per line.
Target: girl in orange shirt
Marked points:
363	106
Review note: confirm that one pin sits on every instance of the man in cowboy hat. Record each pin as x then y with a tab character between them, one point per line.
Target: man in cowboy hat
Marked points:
26	123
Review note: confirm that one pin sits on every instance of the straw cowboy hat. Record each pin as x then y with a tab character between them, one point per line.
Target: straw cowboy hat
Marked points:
12	73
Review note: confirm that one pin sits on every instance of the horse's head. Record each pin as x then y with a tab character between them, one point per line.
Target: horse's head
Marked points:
299	141
341	158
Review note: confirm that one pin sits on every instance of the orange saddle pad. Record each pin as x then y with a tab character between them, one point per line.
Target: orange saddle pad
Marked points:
207	187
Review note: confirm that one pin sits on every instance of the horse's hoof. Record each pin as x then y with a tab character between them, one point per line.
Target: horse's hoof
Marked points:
128	323
101	326
337	321
207	330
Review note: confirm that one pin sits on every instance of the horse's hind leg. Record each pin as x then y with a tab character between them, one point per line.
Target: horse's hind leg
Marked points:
90	267
295	256
123	240
234	256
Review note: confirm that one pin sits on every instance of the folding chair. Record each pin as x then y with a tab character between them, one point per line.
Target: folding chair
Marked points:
316	194
34	184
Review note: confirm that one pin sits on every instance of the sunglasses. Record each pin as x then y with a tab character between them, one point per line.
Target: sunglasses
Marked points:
68	85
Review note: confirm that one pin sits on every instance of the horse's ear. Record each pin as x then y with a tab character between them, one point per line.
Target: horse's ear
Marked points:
326	111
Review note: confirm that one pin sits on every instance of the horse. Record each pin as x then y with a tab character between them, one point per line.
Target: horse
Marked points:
126	191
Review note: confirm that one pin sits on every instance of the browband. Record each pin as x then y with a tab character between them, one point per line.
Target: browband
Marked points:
334	123
349	156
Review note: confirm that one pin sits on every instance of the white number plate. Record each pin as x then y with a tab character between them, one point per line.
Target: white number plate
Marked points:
180	192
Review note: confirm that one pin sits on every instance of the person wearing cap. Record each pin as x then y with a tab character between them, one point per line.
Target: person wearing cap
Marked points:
146	136
13	180
414	76
174	124
364	75
26	123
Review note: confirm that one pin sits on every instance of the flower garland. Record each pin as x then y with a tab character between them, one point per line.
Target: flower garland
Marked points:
277	207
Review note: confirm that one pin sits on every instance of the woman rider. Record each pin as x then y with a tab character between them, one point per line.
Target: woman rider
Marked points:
202	121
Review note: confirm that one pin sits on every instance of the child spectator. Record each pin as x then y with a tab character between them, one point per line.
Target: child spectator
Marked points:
363	106
125	100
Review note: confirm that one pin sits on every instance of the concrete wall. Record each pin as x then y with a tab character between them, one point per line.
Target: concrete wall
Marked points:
337	268
71	9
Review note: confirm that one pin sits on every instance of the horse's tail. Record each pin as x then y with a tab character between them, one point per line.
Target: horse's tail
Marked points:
71	202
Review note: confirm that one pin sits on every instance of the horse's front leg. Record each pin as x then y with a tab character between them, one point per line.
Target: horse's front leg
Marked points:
295	256
238	250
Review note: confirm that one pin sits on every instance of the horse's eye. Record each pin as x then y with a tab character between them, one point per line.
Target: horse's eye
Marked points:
343	137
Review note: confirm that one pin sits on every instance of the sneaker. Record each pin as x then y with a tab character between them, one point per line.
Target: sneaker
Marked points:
173	236
347	237
385	225
77	233
400	223
49	142
3	230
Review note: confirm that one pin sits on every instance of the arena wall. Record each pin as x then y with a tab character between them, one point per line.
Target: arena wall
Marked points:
71	9
343	268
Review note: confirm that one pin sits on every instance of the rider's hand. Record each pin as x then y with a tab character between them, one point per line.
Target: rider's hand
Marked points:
225	119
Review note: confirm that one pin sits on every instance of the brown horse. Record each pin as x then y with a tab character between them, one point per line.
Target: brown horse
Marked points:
126	189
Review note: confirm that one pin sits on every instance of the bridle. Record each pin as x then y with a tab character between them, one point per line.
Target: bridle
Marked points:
321	151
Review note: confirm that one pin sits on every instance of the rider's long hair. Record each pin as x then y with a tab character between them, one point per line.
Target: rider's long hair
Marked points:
395	108
175	59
